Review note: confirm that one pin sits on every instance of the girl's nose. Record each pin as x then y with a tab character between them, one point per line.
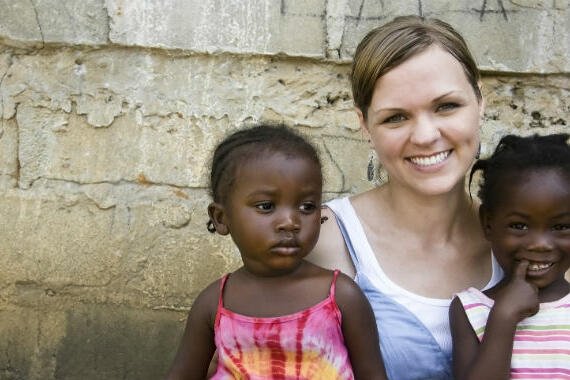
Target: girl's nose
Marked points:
540	242
425	131
288	221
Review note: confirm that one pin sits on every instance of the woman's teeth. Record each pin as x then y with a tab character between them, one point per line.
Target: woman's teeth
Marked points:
539	266
431	160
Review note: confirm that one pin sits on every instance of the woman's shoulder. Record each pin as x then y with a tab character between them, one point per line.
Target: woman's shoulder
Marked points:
331	251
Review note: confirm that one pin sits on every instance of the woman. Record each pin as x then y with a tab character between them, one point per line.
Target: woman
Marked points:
414	241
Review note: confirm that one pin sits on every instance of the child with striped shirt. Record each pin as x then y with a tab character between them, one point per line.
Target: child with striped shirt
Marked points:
520	329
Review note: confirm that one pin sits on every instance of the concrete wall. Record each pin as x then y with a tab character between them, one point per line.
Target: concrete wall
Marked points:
109	111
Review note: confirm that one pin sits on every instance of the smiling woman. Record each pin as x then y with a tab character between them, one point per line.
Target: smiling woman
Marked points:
426	142
414	241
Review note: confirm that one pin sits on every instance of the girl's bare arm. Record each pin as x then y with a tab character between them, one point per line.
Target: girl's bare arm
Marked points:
491	359
359	331
197	343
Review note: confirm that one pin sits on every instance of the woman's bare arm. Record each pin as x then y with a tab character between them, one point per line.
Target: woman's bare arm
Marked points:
330	251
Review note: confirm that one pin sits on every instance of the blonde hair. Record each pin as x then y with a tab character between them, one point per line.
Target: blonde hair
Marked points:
389	45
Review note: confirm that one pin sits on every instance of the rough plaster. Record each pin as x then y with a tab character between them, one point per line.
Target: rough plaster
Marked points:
109	111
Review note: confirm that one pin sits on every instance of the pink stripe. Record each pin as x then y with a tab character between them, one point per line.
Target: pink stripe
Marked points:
549	376
472	305
539	351
543	332
537	339
541	370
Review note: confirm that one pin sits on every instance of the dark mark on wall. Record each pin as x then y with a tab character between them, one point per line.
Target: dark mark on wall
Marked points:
483	11
360	9
359	17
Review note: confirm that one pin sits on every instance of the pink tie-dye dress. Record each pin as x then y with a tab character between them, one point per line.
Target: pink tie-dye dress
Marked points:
307	345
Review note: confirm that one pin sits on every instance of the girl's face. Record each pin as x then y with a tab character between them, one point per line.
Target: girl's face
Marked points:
531	221
273	212
423	121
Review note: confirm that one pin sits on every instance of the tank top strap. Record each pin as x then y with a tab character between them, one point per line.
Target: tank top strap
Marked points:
333	285
221	299
344	214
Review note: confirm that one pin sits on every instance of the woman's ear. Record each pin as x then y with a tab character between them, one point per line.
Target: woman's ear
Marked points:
362	122
481	101
485	220
217	217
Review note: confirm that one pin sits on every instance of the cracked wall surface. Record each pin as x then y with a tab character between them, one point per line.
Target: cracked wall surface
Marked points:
109	110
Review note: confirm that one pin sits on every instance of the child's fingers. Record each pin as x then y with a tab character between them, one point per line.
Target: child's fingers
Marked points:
520	269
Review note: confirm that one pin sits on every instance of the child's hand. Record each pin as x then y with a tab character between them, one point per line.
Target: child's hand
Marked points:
519	298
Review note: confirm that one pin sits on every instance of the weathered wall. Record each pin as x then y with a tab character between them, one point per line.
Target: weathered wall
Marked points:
109	111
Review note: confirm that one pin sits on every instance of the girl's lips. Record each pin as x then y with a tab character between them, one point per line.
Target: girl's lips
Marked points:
286	247
536	269
285	251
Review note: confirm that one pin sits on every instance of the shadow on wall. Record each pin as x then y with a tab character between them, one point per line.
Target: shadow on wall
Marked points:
103	342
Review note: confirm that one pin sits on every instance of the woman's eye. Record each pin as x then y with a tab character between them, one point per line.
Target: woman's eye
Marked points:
561	227
264	206
447	106
518	226
398	118
308	207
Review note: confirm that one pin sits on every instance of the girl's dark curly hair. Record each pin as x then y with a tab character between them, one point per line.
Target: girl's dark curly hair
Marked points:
250	143
516	154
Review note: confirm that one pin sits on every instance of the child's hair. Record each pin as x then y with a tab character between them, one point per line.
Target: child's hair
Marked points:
517	154
251	143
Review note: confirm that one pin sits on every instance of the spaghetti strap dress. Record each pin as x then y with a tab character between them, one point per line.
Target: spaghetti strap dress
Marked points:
307	345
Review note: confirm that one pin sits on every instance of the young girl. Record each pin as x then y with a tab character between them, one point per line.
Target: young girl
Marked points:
278	316
520	329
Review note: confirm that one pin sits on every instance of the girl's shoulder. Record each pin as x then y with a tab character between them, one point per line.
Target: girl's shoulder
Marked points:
206	304
348	294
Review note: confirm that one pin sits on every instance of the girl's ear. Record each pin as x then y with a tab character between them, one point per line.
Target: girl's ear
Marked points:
485	220
217	216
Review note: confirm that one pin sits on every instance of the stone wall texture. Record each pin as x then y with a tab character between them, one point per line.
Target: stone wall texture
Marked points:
109	110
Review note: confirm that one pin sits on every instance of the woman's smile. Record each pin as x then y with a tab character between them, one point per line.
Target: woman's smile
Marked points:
429	160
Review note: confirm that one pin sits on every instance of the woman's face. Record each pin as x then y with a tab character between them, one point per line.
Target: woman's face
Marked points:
423	121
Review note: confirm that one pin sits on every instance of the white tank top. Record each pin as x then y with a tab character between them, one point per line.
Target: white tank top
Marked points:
432	312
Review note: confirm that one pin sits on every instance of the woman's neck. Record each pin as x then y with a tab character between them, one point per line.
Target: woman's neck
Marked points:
436	218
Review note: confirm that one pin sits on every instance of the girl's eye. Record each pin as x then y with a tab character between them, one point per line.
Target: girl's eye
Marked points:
264	206
447	106
308	207
398	118
518	226
561	227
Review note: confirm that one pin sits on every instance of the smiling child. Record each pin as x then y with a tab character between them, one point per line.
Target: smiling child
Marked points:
520	329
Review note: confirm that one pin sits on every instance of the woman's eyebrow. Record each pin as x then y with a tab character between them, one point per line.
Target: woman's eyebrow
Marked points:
444	95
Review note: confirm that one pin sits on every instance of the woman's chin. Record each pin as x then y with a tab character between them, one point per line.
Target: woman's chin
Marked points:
436	186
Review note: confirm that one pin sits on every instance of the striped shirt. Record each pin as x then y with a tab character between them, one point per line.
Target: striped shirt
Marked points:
541	347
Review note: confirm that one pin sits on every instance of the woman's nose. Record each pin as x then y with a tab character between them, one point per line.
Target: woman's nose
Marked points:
425	131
